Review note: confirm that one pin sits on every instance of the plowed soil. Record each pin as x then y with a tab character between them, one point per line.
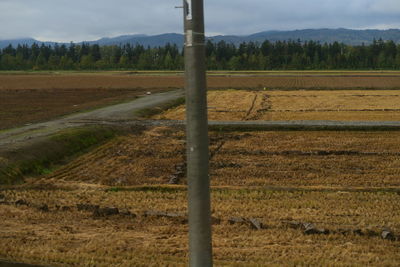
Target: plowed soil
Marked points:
19	107
133	81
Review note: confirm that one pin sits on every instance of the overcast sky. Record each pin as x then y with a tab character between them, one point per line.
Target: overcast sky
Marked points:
78	20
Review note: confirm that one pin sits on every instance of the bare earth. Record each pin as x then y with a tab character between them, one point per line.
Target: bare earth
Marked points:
26	106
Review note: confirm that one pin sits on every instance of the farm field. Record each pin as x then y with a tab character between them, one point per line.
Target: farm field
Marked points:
237	80
279	198
288	159
278	105
50	229
334	180
33	97
25	106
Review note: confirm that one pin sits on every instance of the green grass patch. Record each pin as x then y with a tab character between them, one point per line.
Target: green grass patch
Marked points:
42	157
289	127
149	112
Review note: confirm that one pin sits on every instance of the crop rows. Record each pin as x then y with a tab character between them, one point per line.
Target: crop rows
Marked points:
325	159
77	237
342	105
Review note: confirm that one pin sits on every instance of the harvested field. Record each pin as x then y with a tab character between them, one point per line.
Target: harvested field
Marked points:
316	159
63	227
287	198
278	198
313	159
341	105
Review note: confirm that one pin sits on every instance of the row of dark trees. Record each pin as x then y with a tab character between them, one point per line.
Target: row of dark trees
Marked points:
288	55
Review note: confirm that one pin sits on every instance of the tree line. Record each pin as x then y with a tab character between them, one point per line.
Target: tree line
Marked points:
281	55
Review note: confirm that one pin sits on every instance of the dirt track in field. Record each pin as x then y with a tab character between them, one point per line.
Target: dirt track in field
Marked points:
11	139
19	107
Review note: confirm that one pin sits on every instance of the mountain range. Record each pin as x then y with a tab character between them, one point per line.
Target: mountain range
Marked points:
347	36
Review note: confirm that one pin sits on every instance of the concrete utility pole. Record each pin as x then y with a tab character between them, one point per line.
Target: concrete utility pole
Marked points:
200	246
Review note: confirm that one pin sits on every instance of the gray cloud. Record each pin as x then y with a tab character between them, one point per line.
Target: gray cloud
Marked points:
75	20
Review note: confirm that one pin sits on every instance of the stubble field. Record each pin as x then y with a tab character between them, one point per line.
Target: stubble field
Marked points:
278	105
289	159
345	184
279	198
54	228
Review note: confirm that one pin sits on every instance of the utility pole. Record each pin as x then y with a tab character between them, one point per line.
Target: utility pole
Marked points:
200	244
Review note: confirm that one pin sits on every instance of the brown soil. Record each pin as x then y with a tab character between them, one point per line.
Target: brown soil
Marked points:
301	82
124	81
18	107
89	81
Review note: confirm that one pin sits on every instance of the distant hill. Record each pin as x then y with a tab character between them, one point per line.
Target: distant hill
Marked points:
351	37
23	41
155	40
15	42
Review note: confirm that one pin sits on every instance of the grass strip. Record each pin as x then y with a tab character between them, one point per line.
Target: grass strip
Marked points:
289	127
41	157
152	111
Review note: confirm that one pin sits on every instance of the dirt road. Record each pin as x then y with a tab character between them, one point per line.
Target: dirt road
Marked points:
14	138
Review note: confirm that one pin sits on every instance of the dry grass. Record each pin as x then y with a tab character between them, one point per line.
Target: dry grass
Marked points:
335	105
342	105
224	105
318	189
319	159
129	160
76	238
316	159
